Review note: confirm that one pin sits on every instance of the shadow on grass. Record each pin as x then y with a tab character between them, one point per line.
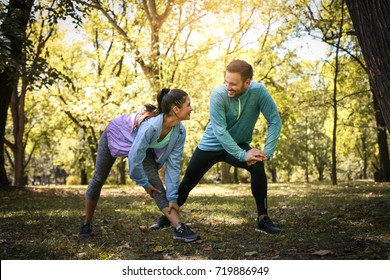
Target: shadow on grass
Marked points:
318	222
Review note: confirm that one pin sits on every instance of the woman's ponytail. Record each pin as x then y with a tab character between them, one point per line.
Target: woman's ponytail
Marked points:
160	96
148	111
166	99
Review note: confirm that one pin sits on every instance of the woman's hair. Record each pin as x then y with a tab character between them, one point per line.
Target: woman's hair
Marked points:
242	67
166	99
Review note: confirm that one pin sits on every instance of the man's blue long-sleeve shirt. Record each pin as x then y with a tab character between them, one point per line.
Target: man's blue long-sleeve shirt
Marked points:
232	121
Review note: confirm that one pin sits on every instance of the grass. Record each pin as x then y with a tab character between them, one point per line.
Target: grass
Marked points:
318	221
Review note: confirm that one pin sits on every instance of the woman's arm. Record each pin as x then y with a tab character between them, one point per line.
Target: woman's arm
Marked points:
145	135
173	167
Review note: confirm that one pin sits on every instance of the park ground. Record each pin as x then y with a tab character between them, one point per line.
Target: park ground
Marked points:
350	221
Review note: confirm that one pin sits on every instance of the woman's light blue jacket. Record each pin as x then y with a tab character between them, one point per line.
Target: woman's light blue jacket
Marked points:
147	133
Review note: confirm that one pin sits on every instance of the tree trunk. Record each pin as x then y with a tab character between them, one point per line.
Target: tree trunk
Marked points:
83	171
92	144
14	28
19	121
4	104
320	174
274	175
384	160
227	177
306	151
235	175
364	155
334	146
83	177
122	172
372	25
335	113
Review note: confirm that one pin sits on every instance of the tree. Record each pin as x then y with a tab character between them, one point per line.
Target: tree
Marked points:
335	98
372	26
148	60
13	29
91	98
33	68
317	20
26	68
34	74
383	170
125	51
320	18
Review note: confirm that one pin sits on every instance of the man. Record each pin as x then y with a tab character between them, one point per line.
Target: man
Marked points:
234	110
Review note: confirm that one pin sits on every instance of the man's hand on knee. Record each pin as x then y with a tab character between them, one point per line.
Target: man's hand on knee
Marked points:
254	155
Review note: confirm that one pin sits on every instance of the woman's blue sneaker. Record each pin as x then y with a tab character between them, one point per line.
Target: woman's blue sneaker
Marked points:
185	234
161	223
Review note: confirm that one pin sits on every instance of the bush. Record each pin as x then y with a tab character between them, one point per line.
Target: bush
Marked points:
73	180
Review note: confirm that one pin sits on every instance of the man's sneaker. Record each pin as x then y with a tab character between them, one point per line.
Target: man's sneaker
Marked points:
86	230
267	226
162	222
185	233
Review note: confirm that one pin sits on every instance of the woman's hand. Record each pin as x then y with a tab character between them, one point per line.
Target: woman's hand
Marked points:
152	189
173	206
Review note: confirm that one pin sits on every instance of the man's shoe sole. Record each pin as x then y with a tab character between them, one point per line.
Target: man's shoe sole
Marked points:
85	235
156	227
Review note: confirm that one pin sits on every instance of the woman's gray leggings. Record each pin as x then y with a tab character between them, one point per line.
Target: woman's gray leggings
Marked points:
104	163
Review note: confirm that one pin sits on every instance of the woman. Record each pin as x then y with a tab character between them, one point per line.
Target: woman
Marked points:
149	139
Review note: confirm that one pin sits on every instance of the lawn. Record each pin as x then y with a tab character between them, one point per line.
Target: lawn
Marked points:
349	222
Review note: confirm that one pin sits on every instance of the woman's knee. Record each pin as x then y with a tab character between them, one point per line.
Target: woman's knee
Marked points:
93	193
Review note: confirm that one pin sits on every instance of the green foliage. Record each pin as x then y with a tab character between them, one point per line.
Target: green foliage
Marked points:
113	65
73	180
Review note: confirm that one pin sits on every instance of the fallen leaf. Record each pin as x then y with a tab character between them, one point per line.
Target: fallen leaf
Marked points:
207	247
125	245
103	256
62	246
167	257
323	253
250	254
158	249
80	255
143	228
